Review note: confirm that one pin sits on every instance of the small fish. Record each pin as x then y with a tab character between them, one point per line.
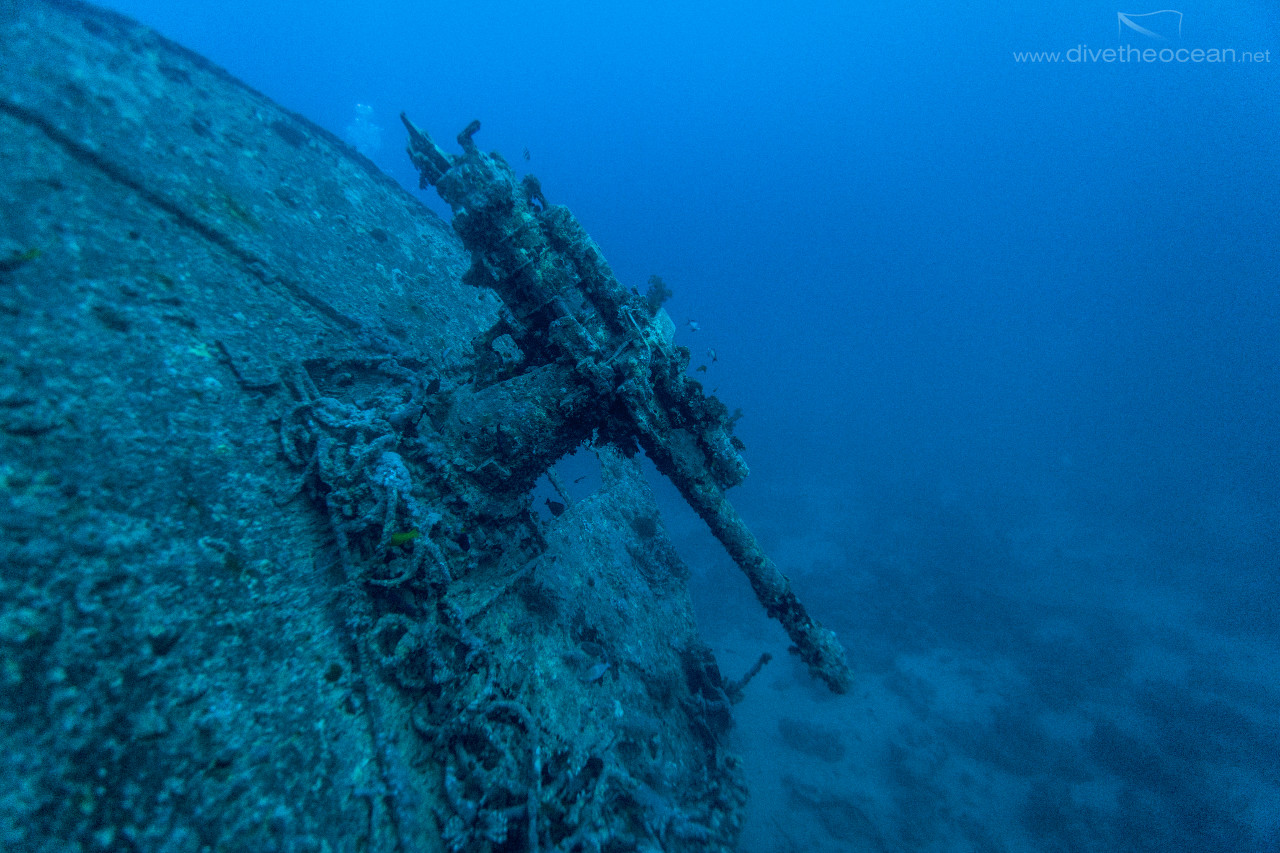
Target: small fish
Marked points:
403	537
596	672
527	155
555	507
702	368
711	354
693	326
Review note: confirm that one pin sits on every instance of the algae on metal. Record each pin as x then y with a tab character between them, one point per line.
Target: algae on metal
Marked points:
273	578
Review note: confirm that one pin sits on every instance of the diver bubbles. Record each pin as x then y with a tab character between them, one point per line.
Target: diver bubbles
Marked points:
362	132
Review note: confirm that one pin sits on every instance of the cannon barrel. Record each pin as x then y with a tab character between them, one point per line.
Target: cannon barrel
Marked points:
630	387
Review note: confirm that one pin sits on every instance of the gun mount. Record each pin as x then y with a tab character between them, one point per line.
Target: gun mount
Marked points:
609	357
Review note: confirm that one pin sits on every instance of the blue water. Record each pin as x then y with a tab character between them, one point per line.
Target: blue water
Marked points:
1007	339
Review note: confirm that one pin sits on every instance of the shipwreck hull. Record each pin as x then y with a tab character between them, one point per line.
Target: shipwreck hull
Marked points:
265	586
